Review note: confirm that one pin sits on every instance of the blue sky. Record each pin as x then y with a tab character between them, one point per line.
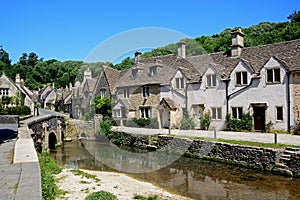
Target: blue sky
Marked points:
70	29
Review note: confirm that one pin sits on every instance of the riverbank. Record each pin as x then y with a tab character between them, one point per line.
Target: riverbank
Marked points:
77	186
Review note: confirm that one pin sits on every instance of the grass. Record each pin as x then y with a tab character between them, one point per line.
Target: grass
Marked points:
49	167
78	172
241	142
101	195
152	197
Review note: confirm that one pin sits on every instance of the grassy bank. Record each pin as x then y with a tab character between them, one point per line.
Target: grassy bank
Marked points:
48	168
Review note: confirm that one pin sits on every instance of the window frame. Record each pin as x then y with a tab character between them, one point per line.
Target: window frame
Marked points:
102	93
216	113
146	112
271	74
153	70
279	118
117	113
211	80
134	73
146	91
237	112
126	93
179	83
241	78
4	91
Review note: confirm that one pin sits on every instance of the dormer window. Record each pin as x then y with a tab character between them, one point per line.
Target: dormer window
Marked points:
273	75
134	73
241	78
4	91
211	80
179	83
153	70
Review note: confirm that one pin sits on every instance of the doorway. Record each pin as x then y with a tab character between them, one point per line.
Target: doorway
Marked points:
259	117
198	115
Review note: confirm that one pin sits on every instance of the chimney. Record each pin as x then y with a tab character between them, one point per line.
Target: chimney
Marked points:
70	86
237	42
137	57
18	79
87	74
22	82
181	49
53	85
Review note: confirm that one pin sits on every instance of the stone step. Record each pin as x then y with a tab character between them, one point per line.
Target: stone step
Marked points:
286	156
293	149
281	166
284	160
289	152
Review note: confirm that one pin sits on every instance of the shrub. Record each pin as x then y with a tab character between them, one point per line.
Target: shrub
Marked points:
205	121
105	127
101	195
142	122
243	124
16	110
187	122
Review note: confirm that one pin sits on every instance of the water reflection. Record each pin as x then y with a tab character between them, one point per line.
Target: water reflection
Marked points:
194	178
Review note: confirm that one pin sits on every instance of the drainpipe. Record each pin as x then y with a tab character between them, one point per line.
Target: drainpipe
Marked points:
186	97
288	102
227	97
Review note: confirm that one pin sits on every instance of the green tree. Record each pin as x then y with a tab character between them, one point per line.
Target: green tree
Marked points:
103	106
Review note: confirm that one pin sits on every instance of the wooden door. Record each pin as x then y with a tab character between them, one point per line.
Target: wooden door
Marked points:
259	117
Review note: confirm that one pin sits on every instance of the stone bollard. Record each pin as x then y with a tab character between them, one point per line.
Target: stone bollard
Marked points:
215	133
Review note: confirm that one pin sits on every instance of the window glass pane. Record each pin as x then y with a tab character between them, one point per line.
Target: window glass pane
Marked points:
277	75
214	115
245	81
177	82
269	75
238	78
234	113
214	80
279	113
208	77
219	113
182	83
240	112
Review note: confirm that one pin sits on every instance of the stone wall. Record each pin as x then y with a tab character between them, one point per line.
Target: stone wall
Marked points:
266	159
9	119
296	95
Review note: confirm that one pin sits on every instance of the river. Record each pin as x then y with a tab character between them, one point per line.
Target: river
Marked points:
198	179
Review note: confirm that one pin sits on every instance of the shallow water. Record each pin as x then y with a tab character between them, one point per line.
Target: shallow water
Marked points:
194	178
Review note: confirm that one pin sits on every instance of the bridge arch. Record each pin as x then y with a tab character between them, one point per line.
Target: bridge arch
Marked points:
52	140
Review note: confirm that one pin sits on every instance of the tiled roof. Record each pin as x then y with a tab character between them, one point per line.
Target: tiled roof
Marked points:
166	69
129	105
91	83
288	53
112	76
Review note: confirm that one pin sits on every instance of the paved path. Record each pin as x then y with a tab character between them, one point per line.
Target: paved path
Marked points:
19	166
244	136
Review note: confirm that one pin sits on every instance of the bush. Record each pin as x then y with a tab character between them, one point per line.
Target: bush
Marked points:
142	122
205	121
101	195
16	110
244	124
187	122
105	127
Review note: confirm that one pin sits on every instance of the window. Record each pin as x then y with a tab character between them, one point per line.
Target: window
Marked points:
179	83
102	93
117	113
153	70
146	112
146	91
237	112
279	113
216	113
134	73
4	91
241	78
211	80
273	75
126	93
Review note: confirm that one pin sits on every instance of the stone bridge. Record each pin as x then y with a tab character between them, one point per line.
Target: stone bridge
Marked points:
47	131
